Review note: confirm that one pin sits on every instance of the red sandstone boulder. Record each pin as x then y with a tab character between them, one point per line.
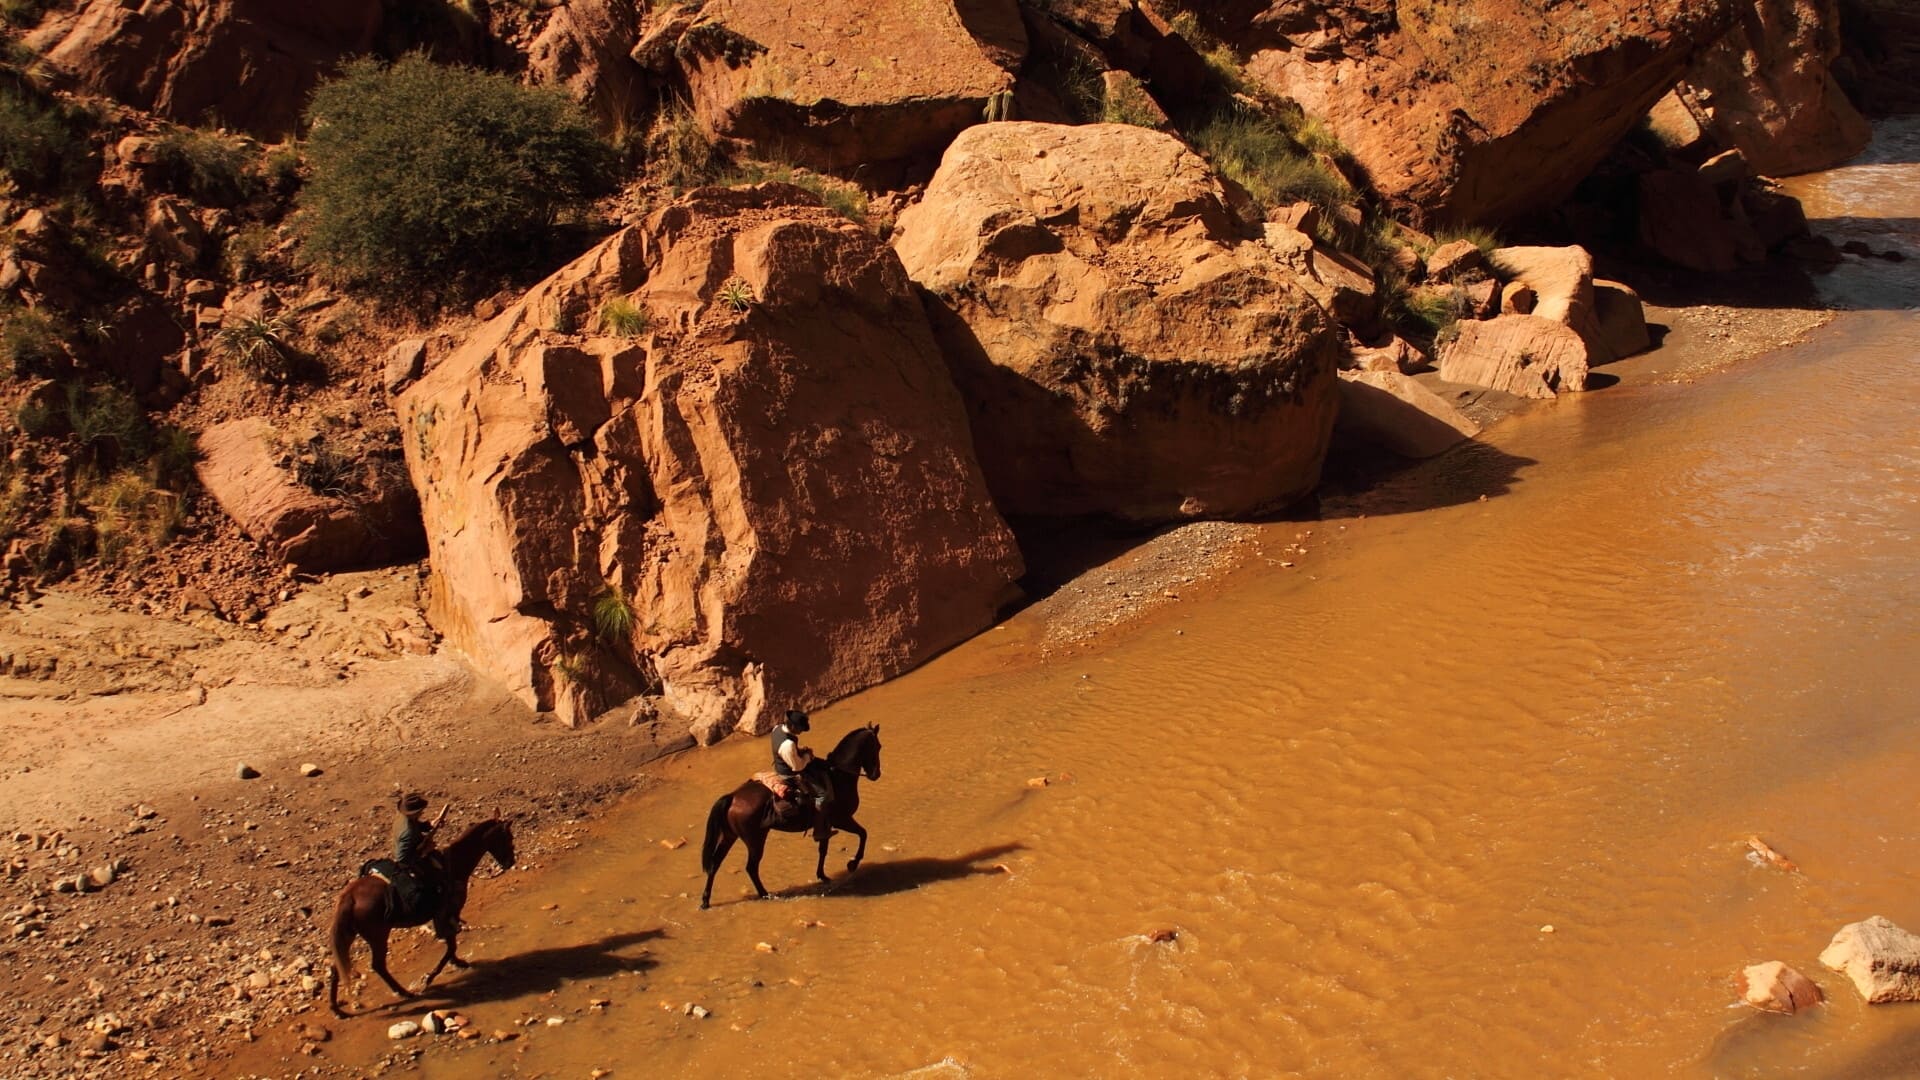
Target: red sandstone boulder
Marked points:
1766	89
1477	110
1524	355
241	466
1392	411
835	86
1775	987
248	63
1684	221
1562	282
1622	318
1126	348
765	496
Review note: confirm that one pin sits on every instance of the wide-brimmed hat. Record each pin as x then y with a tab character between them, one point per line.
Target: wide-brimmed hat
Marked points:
797	720
412	803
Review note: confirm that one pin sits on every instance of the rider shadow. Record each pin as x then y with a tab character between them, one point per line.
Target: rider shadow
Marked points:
904	875
541	970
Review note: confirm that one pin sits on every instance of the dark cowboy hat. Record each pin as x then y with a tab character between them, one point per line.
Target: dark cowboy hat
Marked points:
797	721
413	803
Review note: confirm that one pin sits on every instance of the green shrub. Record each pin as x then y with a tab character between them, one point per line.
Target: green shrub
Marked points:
612	616
259	347
1481	237
108	424
736	294
1257	152
843	197
420	172
679	155
621	317
21	12
30	339
43	142
206	165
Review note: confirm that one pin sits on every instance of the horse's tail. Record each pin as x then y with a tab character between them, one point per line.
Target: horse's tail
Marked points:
716	822
341	942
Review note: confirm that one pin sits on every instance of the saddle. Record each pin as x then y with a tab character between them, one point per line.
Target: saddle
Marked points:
781	787
412	898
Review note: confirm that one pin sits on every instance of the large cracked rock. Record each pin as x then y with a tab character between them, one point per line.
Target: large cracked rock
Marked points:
252	64
834	86
1767	89
764	498
1127	345
1476	110
1881	959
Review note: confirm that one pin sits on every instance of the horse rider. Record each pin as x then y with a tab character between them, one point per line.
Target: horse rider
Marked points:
799	767
413	839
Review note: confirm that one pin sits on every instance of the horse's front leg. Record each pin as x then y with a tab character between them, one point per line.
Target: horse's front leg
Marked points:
447	930
820	866
856	829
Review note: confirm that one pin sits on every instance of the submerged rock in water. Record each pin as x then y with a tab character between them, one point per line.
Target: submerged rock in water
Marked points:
1775	987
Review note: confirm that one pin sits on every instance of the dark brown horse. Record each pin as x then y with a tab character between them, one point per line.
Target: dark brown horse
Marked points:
365	909
747	814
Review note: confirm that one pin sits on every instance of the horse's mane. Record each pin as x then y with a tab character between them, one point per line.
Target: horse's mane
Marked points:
848	749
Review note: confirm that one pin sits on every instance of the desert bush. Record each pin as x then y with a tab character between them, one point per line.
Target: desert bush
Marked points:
31	339
613	616
259	347
1257	152
109	426
1479	236
422	172
841	196
21	12
43	143
132	516
209	167
679	155
736	294
621	317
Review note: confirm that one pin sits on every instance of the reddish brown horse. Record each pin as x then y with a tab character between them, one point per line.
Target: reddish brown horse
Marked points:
365	909
747	814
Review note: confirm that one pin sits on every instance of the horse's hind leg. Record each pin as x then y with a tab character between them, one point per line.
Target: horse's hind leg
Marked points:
377	945
856	829
724	845
756	846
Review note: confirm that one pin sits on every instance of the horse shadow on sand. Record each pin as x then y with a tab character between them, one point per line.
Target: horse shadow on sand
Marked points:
885	877
536	972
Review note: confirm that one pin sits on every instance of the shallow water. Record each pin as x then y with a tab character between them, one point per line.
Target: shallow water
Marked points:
1356	790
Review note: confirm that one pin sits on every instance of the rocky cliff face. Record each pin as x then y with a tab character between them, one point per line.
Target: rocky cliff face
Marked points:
1127	345
1477	110
1767	89
763	498
249	63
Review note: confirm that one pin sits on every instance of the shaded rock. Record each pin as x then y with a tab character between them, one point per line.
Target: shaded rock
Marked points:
245	771
1123	349
1775	217
1775	987
174	233
1458	259
835	86
1524	355
1394	353
1726	167
1622	318
240	467
1474	112
768	500
1672	125
1518	298
585	48
1483	298
1766	88
405	362
1682	221
1882	960
1341	283
1392	411
250	64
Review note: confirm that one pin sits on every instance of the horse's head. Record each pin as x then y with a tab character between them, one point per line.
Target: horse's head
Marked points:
500	841
859	752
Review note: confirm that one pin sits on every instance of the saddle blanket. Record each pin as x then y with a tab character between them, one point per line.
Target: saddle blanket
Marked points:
775	783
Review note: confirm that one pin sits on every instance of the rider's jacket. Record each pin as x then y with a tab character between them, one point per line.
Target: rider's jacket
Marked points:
411	840
789	757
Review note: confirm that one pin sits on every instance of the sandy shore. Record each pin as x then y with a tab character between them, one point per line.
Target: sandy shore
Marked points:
126	733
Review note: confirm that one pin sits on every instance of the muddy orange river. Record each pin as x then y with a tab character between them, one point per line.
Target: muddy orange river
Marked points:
1555	679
